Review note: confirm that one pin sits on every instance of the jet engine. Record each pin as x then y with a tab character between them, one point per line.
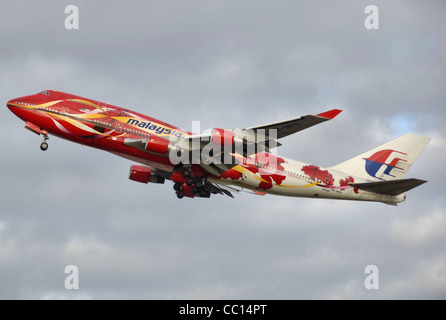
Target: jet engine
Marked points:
157	144
153	144
144	175
222	137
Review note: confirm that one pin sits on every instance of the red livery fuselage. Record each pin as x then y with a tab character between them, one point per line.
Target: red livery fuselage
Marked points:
94	123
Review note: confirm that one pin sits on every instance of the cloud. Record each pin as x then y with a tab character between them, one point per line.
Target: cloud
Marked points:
421	230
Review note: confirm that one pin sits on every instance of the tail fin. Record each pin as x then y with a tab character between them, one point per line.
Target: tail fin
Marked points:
389	161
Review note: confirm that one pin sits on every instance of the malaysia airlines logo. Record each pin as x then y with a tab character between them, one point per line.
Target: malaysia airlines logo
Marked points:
388	158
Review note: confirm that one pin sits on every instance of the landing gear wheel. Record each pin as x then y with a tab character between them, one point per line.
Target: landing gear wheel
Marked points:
180	194
207	186
205	194
177	186
187	173
189	181
195	190
199	183
44	146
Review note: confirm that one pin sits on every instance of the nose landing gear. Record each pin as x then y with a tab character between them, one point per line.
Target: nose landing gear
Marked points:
44	144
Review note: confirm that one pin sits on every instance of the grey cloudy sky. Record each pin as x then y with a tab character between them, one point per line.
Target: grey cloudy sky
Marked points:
227	64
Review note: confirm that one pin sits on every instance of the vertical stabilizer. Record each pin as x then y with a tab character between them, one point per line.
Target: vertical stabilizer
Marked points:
389	161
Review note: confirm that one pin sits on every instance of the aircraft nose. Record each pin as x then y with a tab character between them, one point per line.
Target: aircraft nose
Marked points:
10	104
15	106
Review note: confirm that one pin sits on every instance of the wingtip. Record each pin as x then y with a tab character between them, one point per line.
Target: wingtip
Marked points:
329	114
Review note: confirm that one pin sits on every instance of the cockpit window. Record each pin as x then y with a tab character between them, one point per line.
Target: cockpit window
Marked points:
45	93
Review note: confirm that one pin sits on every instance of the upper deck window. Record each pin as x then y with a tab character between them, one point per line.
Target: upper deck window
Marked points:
45	93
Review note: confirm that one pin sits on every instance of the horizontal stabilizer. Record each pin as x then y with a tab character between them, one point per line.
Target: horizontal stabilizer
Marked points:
391	187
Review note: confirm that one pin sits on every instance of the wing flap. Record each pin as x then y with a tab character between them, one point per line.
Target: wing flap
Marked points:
390	187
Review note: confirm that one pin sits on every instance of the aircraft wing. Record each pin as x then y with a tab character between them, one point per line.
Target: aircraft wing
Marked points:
261	134
245	139
287	127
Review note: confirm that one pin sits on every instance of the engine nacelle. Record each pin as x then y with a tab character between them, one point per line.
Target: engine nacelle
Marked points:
222	137
144	175
157	144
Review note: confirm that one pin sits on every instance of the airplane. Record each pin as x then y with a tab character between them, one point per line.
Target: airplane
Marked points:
222	161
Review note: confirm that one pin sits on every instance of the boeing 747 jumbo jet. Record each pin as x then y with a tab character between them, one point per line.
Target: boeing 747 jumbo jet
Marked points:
222	161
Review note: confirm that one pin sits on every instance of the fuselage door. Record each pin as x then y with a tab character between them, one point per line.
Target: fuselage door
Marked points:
65	111
118	126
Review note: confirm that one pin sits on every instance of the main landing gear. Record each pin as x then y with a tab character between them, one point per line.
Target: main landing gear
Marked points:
44	144
197	187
